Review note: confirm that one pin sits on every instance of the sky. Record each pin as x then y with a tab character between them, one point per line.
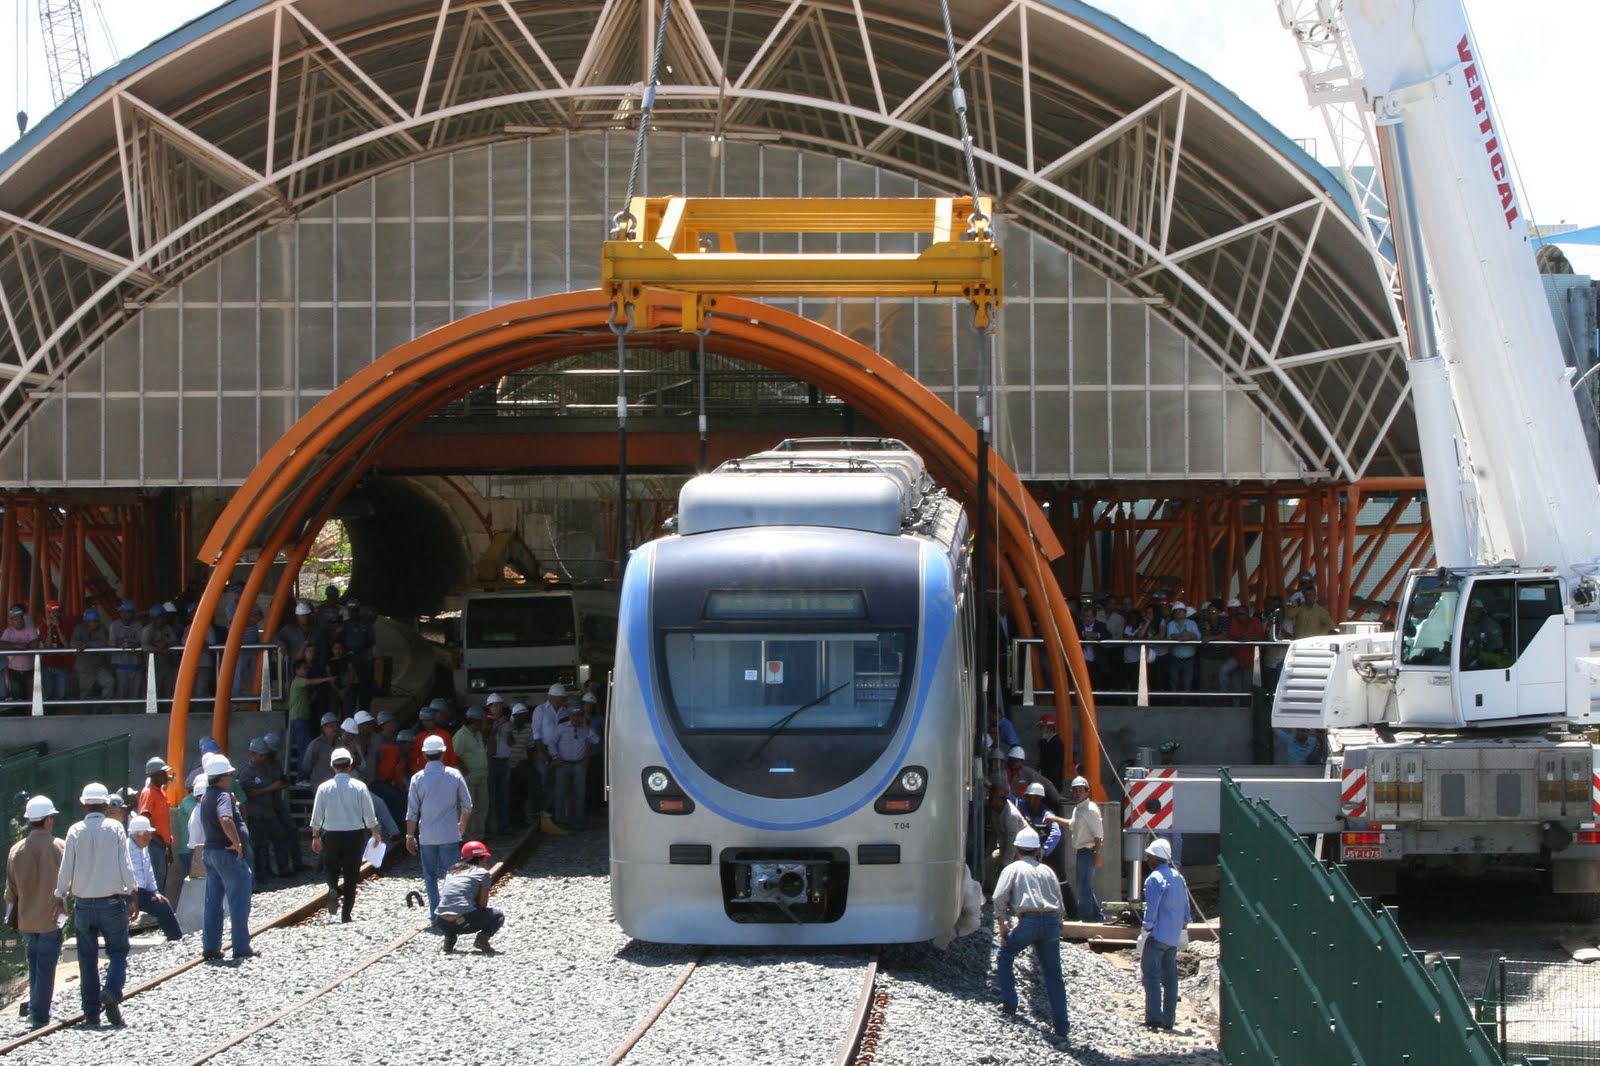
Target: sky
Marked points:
1529	48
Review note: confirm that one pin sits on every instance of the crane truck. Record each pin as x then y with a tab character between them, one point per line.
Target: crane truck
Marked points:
1458	738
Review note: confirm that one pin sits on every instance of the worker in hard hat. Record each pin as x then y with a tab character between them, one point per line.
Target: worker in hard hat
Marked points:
1088	837
464	900
141	831
1166	912
438	807
32	908
96	873
1027	889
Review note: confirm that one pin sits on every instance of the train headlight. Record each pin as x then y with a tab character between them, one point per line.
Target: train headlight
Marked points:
657	781
906	793
662	793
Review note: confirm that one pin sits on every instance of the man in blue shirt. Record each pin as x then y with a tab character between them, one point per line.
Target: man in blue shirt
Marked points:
1166	912
227	843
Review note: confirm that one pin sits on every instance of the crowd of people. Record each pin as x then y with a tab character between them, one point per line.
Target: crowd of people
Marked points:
1205	647
459	773
102	660
1043	850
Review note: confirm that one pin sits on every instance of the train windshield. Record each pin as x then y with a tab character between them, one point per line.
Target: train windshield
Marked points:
519	622
748	682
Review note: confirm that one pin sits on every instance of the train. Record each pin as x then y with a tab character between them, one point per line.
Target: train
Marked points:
790	756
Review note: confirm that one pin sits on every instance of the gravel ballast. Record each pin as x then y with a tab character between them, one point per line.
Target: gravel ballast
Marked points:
567	986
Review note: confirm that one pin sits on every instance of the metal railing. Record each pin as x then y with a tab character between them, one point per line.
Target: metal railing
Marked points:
1154	685
1543	1009
146	687
1314	974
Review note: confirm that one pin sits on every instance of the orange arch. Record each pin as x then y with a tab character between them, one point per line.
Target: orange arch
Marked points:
306	472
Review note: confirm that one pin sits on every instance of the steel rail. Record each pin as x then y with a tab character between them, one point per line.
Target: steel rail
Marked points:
295	915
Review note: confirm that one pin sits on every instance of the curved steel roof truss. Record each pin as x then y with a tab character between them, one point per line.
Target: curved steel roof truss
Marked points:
1088	137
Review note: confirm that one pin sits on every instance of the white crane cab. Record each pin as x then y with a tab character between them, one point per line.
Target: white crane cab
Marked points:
1476	648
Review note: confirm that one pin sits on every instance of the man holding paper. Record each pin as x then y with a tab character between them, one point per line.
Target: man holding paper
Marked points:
341	816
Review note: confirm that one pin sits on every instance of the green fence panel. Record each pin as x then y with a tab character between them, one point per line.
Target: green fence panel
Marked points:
60	775
1313	974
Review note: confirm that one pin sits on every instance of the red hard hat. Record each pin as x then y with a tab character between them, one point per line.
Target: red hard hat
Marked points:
474	849
1047	719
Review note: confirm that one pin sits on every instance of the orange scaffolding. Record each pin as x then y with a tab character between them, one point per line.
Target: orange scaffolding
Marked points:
58	547
1197	541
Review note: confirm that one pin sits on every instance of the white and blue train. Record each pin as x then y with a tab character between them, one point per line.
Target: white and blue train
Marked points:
790	737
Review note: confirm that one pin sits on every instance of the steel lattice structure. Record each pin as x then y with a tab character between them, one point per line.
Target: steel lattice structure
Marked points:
1089	136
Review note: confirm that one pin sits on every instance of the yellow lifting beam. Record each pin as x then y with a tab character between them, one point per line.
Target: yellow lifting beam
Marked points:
670	242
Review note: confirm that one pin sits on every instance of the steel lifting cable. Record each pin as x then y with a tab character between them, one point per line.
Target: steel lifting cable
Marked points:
959	97
623	225
700	335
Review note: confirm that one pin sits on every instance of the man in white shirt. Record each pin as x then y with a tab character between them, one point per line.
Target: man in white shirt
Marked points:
341	819
97	874
570	744
545	717
151	901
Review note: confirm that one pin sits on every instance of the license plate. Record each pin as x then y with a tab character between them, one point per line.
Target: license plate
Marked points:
1361	851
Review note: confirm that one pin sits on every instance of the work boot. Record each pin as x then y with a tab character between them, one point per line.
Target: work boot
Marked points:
333	901
449	942
481	942
111	1005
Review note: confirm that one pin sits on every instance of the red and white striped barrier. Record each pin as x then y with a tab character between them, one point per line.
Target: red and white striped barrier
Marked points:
1150	801
1353	793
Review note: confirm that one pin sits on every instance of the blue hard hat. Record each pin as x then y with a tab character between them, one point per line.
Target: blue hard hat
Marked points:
425	715
330	719
127	605
209	746
259	746
91	615
272	740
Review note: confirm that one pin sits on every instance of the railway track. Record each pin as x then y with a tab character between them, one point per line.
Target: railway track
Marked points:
857	1044
293	916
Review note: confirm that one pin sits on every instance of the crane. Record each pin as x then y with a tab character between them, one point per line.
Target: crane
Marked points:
1456	736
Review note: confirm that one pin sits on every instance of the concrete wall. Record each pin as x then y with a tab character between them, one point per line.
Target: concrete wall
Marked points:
1214	735
148	733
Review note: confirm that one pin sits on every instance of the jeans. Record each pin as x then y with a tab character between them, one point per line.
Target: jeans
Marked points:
228	874
1158	966
55	683
1083	887
158	861
392	798
1043	932
44	949
436	860
485	921
571	779
162	912
1180	674
300	738
96	918
500	794
521	782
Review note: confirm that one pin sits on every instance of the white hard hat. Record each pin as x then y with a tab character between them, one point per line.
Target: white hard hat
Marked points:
349	725
432	744
140	824
1079	782
1234	602
199	786
94	792
1036	789
341	755
1159	849
39	808
518	708
362	718
494	697
1028	838
558	689
1180	606
302	608
588	697
216	765
1016	753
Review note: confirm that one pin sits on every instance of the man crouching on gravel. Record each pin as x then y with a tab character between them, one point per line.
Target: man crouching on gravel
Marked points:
464	900
1029	890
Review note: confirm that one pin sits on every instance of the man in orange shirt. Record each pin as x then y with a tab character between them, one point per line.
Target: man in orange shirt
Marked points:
427	727
154	806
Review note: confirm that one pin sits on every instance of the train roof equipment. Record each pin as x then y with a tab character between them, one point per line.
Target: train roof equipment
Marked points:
877	485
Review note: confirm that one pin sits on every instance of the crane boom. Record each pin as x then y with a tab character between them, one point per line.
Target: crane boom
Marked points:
1539	503
66	46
